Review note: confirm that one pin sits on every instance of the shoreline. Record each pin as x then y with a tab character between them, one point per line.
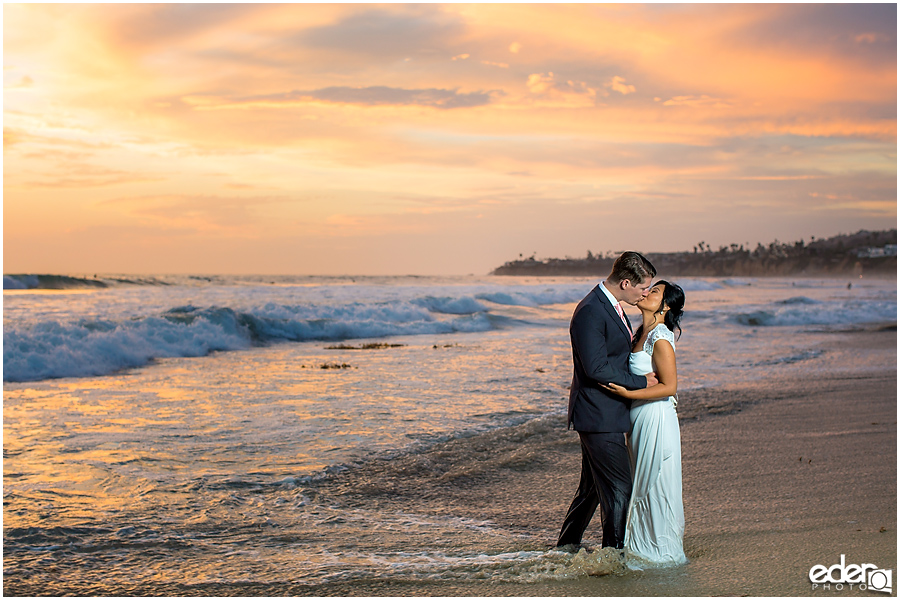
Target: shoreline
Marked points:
780	474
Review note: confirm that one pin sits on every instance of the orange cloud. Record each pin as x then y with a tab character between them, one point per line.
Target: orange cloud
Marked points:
618	84
872	38
342	95
381	113
546	91
702	101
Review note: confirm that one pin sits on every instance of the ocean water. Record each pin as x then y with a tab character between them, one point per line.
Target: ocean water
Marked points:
166	432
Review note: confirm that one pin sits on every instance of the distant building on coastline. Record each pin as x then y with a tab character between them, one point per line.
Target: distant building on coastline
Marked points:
870	252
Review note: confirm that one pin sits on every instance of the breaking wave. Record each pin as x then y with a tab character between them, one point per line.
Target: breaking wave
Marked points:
803	311
49	282
90	347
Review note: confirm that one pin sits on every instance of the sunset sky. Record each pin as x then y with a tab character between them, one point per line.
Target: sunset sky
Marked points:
436	138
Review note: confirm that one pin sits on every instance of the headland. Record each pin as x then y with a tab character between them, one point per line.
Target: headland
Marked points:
864	253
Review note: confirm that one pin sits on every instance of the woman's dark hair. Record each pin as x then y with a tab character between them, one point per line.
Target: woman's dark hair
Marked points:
673	297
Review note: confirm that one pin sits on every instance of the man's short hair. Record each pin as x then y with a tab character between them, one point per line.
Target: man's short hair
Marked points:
634	267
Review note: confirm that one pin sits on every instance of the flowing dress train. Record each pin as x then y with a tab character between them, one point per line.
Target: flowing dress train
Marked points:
655	530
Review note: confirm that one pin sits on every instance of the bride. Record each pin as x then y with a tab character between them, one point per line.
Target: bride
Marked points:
655	528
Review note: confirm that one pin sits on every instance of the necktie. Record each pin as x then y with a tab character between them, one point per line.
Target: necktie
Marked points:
624	318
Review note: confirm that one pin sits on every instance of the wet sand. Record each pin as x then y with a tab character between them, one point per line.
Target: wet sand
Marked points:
779	475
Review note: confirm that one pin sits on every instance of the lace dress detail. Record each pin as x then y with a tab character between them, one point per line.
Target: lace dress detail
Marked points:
641	363
660	332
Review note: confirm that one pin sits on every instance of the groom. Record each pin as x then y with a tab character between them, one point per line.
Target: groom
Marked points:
601	342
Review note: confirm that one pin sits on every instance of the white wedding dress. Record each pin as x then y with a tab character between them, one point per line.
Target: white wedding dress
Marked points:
655	529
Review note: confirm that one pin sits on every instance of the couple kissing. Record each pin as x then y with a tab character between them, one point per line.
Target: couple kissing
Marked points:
622	404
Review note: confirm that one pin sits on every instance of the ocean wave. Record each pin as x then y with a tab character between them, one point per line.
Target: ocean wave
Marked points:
52	349
799	300
49	282
571	294
453	306
86	348
534	298
793	358
22	282
68	282
697	285
522	566
737	281
804	311
148	280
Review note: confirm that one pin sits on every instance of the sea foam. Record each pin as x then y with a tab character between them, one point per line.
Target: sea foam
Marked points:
85	347
119	327
52	349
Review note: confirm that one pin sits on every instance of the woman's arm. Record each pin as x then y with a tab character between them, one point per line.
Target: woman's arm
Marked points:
666	373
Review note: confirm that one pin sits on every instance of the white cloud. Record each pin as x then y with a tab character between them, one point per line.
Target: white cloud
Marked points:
618	84
539	83
568	94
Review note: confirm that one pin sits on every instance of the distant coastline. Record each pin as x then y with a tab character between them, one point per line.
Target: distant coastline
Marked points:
865	253
27	281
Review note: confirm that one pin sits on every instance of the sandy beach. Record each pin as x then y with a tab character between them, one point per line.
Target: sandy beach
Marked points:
779	475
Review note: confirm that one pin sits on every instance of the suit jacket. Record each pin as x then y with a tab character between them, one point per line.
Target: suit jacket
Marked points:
601	345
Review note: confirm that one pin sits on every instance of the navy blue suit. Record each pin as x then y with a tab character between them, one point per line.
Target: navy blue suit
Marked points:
601	344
